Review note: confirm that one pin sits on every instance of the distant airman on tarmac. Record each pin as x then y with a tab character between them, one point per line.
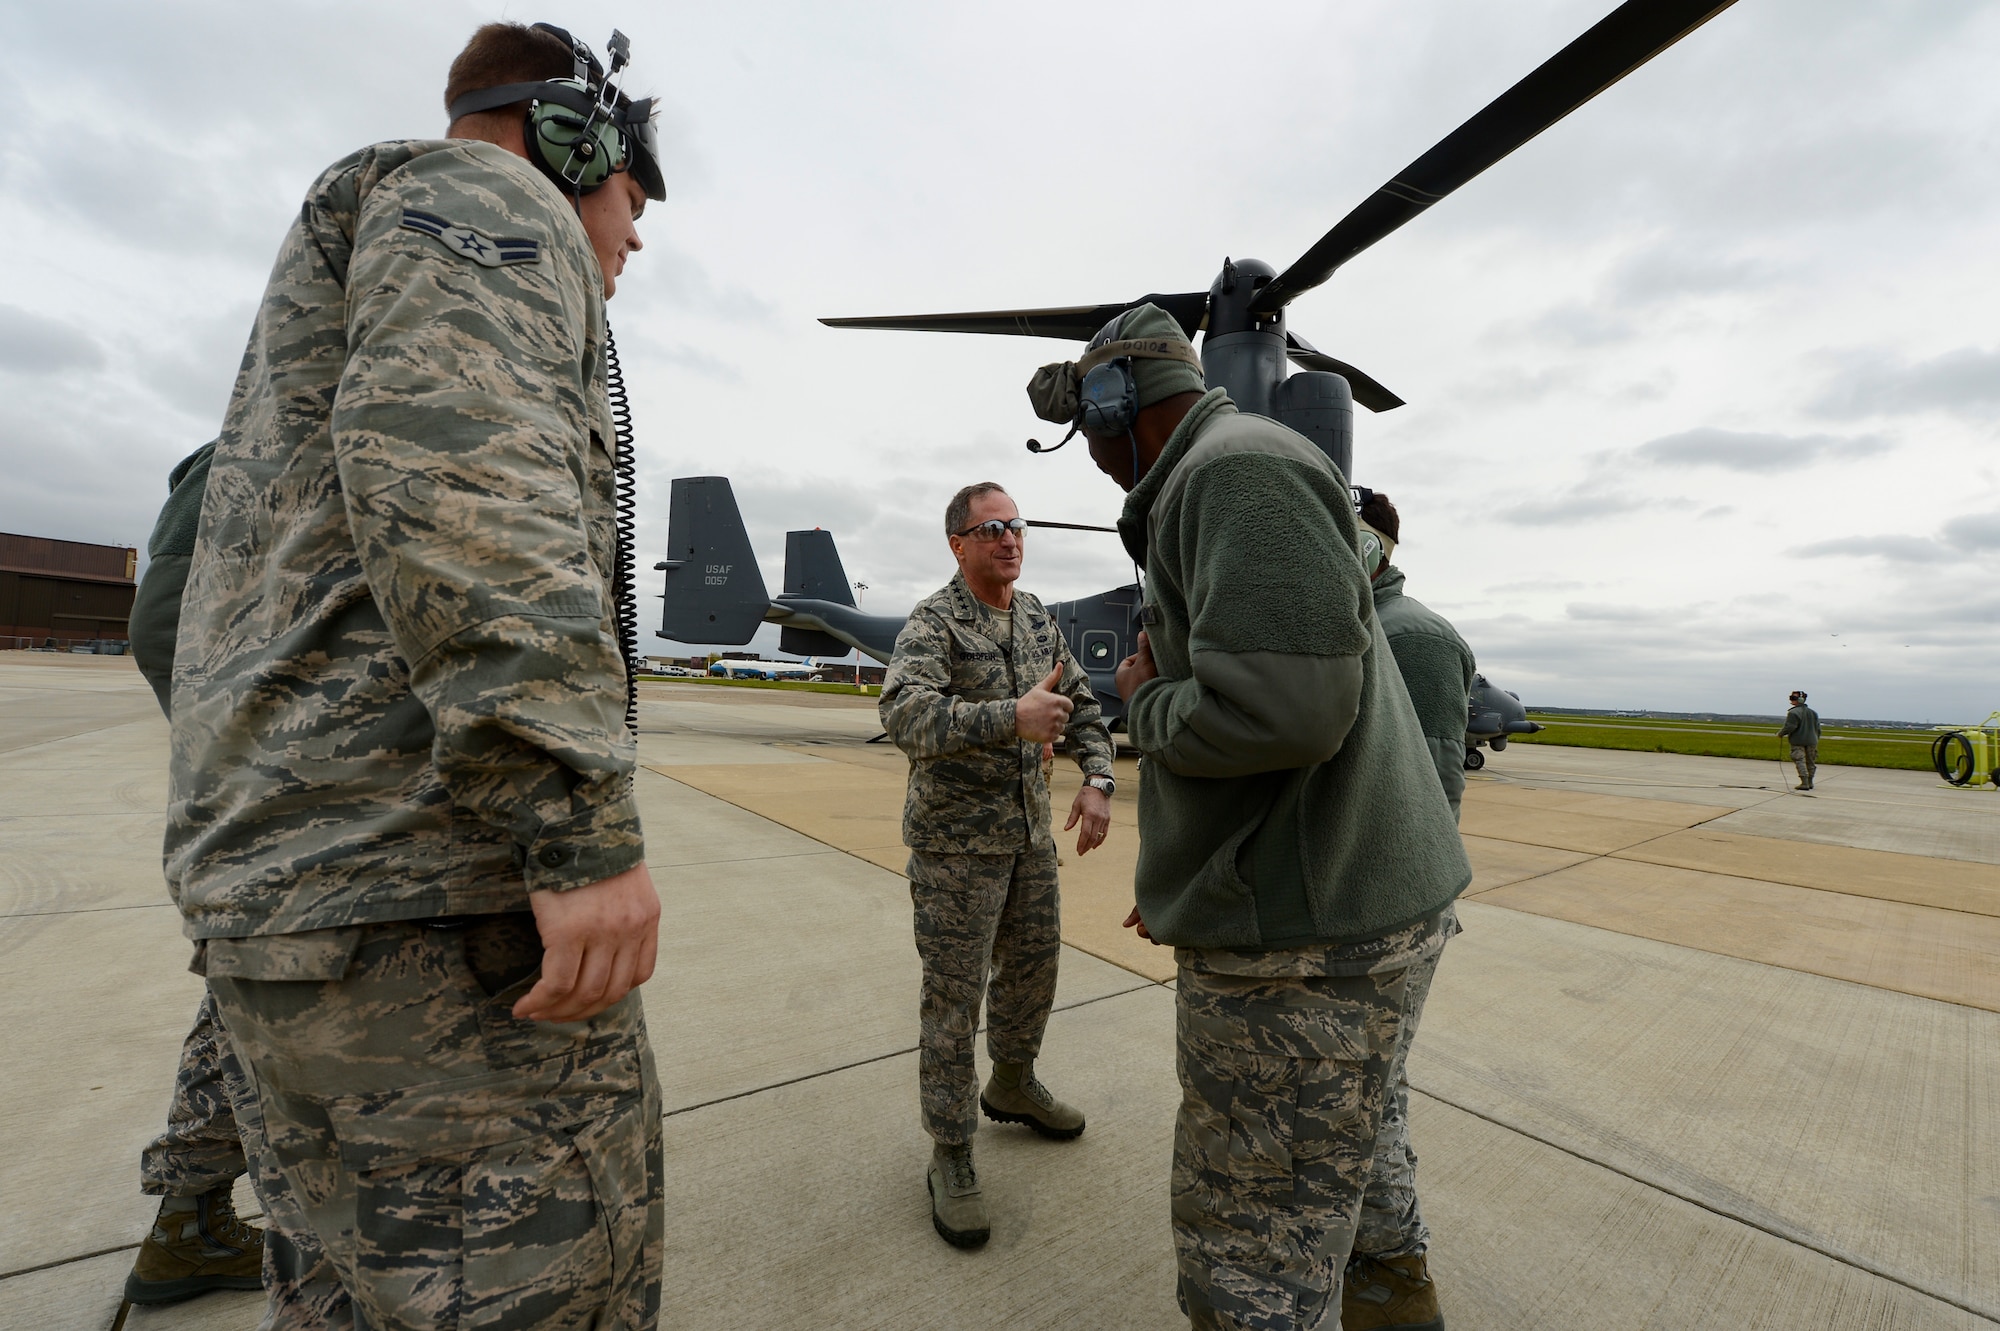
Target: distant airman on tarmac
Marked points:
1802	729
980	682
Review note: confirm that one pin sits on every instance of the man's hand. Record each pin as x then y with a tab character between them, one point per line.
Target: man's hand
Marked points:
1092	807
1042	713
1133	921
598	944
1136	669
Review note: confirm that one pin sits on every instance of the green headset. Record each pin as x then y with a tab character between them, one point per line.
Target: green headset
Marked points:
579	132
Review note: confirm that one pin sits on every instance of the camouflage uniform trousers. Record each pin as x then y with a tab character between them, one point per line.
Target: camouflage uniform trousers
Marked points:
215	1132
200	1150
1805	757
460	1166
979	916
1392	1223
1285	1078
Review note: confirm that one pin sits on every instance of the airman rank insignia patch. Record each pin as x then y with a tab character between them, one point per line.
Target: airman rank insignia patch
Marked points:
469	244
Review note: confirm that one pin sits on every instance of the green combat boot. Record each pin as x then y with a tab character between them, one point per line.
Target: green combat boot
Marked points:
196	1244
1388	1292
1014	1095
957	1209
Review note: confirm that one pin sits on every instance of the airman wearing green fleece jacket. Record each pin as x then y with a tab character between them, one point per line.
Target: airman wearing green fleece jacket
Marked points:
1295	845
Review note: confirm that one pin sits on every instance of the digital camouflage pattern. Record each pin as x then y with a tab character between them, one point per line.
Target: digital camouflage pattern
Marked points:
215	1132
1285	1062
398	691
1805	758
200	1150
970	908
948	703
462	1167
1392	1221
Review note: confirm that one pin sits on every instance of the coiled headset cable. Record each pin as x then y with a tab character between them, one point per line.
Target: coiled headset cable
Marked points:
622	586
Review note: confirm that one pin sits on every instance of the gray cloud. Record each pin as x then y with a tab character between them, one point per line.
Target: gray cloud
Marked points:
1618	614
1577	506
1666	272
35	344
1898	549
1579	325
1974	531
1960	539
1963	382
1739	450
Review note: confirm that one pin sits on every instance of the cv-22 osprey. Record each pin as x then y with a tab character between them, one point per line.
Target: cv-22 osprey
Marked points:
715	593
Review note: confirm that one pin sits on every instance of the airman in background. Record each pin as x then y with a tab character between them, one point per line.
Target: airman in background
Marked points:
214	1131
1387	1283
1802	729
981	681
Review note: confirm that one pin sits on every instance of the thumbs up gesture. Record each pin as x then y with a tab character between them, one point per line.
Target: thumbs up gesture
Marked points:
1042	713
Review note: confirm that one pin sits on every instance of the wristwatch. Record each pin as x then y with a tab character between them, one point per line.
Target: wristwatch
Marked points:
1103	783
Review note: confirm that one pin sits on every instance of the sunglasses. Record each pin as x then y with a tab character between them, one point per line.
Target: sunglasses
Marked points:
994	528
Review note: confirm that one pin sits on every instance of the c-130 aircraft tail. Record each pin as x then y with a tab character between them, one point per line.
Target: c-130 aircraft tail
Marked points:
715	594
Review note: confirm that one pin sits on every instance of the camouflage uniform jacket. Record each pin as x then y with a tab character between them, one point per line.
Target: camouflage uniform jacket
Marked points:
977	788
397	689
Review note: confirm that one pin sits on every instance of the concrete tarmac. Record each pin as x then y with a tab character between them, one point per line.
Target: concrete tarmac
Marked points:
1649	1093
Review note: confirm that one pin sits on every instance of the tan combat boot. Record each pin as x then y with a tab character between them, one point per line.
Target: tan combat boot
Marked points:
196	1244
1013	1095
957	1209
1388	1292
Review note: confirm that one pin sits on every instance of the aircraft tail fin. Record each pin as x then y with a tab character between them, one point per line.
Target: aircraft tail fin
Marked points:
813	570
715	592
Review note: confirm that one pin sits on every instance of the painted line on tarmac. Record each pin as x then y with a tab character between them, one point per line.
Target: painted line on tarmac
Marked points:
1777	1229
884	1057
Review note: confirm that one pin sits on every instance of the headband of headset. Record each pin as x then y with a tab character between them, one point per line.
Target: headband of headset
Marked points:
577	132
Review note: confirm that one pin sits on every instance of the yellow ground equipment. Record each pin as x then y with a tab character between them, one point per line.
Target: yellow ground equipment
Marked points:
1969	756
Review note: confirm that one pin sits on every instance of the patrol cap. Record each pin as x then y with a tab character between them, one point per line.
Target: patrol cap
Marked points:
1163	363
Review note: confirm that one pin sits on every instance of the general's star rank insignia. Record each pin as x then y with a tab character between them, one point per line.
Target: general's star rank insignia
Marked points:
469	244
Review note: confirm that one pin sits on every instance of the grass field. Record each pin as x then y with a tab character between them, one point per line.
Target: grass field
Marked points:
1848	746
793	685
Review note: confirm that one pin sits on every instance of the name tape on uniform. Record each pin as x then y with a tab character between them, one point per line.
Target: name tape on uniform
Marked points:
469	244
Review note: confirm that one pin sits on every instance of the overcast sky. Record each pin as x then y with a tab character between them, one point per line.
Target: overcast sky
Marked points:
1702	383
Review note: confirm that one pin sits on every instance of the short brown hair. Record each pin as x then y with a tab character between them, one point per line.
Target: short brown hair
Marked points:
960	507
500	53
1380	514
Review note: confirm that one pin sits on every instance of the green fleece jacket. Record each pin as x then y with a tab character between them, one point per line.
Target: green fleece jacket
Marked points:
1288	798
1437	668
1801	727
156	608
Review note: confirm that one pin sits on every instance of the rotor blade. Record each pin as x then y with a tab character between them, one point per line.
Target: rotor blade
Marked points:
1068	526
1077	322
1625	39
1366	391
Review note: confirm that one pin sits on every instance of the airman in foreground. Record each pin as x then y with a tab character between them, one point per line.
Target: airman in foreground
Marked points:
1295	846
401	826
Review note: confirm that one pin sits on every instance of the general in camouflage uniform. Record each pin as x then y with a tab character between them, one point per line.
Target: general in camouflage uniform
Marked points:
397	728
983	856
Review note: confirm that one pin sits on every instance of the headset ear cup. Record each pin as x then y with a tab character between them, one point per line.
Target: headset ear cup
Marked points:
559	146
